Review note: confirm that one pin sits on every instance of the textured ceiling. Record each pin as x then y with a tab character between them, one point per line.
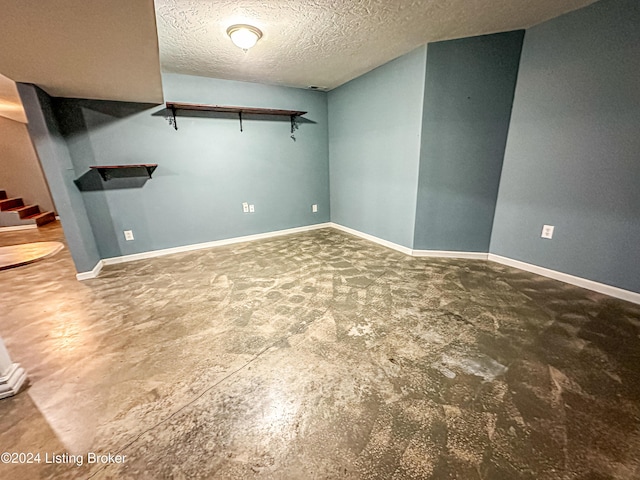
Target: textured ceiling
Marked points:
109	49
327	42
79	48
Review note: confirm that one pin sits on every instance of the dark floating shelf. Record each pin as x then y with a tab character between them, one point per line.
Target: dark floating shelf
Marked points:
115	177
175	106
107	172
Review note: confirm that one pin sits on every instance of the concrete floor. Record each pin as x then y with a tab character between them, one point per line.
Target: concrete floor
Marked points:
317	356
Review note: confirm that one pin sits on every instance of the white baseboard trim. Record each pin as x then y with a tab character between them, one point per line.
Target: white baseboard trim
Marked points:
571	279
217	243
12	381
450	254
409	251
92	274
17	227
545	272
371	238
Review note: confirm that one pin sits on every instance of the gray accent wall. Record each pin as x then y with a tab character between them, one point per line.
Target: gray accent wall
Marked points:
467	106
374	145
206	169
573	154
58	168
20	171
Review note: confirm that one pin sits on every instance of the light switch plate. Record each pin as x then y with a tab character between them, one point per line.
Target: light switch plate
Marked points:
252	209
314	208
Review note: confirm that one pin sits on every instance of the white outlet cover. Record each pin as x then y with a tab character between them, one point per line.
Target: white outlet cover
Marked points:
314	208
128	235
252	208
245	207
547	231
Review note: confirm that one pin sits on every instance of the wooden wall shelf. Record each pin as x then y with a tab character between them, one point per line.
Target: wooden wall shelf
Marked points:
228	109
175	106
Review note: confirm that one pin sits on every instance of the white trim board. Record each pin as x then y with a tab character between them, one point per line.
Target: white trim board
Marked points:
409	251
93	273
545	272
450	254
18	227
570	279
12	380
371	238
200	246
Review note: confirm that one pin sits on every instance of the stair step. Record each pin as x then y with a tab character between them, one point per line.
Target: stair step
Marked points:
44	218
3	195
8	203
41	218
27	211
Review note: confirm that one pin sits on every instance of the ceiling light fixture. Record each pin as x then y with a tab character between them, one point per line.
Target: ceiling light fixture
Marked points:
244	36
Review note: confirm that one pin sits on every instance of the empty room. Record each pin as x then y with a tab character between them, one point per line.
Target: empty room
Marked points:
320	240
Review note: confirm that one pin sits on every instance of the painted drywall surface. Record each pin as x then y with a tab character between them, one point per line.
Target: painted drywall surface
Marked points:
374	149
572	157
206	169
467	105
20	171
56	164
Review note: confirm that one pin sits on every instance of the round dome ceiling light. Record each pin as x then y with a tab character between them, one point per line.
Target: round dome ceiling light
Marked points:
244	36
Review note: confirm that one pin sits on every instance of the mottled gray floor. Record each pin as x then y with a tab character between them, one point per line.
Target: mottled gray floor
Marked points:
318	356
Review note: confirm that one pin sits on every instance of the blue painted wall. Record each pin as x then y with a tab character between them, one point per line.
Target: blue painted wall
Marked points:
573	152
467	105
374	145
206	169
57	166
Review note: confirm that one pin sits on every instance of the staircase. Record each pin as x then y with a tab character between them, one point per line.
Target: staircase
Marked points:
14	212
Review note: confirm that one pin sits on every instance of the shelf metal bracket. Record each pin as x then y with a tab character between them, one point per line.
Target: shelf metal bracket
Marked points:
173	112
240	117
104	174
294	127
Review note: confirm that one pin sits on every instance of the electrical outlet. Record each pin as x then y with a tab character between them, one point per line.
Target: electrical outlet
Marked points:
252	209
314	208
128	235
245	207
547	232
